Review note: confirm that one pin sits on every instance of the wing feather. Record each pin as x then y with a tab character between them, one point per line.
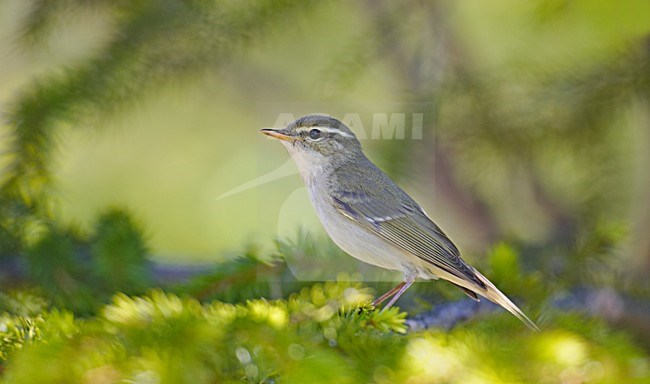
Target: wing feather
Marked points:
380	206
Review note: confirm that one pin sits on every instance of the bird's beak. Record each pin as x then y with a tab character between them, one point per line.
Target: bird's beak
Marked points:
280	134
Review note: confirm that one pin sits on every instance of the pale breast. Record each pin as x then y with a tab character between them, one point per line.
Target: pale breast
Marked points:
352	238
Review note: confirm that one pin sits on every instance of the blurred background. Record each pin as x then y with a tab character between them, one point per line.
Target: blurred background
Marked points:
536	123
129	140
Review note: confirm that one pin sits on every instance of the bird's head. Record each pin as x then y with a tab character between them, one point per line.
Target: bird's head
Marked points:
317	141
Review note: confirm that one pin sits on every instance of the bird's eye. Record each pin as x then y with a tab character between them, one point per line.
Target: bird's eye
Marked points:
315	134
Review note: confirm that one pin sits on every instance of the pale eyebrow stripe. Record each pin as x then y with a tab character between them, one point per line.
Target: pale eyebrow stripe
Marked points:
326	129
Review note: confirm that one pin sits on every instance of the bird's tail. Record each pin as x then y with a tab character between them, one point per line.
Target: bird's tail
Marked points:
492	293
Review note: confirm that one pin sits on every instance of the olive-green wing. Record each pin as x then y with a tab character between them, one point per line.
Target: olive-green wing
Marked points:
374	202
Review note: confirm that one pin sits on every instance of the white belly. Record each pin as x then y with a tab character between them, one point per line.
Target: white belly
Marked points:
357	241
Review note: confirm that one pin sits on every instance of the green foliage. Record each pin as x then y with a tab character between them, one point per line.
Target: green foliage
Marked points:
176	340
53	265
320	333
22	303
8	241
24	318
324	333
593	262
79	273
491	352
15	331
238	279
505	270
118	251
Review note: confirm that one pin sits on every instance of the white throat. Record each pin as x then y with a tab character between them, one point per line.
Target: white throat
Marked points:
311	164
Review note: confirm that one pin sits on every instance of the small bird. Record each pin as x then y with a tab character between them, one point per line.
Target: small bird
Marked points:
371	218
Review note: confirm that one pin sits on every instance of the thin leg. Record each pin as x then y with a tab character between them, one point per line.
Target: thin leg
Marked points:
388	294
409	281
